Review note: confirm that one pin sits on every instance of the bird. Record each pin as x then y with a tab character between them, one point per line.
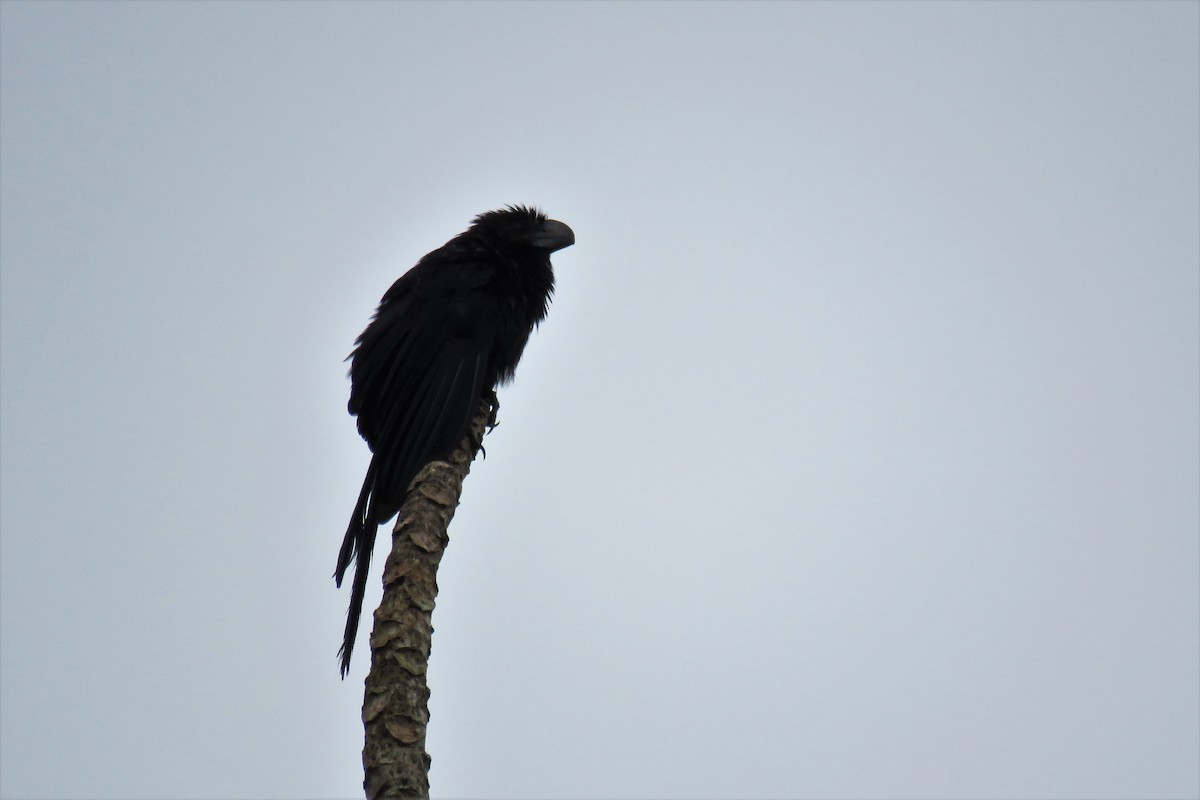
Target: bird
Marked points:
445	335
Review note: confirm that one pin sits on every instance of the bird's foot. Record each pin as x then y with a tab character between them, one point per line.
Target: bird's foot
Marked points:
493	406
493	411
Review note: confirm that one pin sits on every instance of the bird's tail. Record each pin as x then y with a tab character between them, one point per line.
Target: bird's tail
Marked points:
356	547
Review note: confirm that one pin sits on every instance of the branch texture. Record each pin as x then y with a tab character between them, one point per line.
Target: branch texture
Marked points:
396	703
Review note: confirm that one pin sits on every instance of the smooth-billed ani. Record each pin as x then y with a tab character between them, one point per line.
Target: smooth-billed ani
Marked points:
444	336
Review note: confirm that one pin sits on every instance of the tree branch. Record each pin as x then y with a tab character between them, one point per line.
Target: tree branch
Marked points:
396	701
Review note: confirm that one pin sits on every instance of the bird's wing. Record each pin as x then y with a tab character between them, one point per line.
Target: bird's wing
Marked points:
417	376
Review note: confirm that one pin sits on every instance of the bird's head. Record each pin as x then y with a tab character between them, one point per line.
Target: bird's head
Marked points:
523	226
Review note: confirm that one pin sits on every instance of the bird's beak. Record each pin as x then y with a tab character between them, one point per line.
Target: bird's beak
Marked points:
554	235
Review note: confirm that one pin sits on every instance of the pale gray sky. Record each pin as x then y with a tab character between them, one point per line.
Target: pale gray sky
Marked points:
857	457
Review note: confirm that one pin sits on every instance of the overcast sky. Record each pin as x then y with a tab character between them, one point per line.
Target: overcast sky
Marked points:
857	458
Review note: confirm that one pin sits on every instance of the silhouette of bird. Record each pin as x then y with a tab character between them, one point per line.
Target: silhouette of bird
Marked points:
445	335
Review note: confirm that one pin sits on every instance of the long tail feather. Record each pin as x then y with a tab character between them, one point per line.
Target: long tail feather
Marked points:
356	546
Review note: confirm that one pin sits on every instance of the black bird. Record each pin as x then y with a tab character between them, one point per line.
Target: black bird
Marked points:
445	335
